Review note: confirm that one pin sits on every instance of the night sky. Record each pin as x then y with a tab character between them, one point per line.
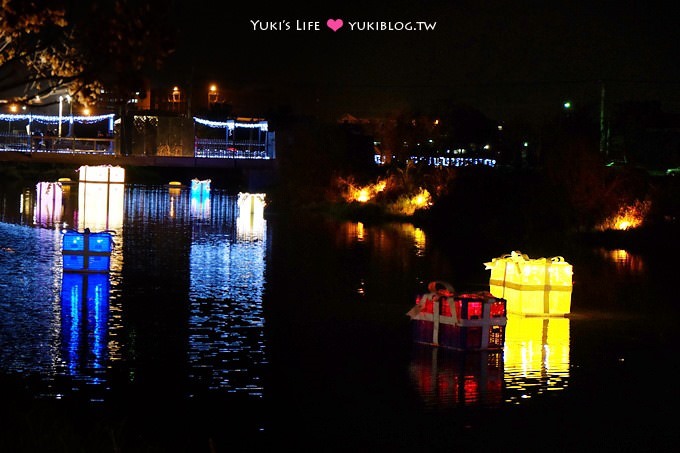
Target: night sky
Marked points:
511	60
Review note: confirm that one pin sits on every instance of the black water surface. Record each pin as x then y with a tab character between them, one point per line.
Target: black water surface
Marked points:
221	330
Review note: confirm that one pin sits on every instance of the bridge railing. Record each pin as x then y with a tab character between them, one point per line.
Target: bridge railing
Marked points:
208	148
215	148
54	144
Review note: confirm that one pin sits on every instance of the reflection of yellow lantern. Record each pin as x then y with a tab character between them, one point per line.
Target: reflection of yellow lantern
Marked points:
536	349
532	286
101	193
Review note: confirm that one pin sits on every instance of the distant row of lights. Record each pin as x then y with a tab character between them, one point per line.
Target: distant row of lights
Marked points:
445	161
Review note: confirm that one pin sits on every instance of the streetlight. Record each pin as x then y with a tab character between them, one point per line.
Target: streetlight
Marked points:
213	95
66	98
13	109
175	98
61	106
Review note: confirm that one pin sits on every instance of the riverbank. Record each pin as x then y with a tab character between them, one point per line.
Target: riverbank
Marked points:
454	231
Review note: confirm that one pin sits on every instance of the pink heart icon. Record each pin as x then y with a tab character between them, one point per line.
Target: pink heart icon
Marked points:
334	24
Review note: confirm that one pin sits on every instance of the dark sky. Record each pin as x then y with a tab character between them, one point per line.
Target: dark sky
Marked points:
510	59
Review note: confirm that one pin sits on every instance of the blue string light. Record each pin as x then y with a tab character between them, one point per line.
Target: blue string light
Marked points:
49	119
231	124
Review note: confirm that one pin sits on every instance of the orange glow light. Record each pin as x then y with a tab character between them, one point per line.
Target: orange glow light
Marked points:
364	194
628	217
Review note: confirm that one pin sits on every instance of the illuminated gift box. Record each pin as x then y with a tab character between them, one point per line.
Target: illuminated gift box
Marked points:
540	286
469	321
87	252
101	173
101	194
200	188
250	223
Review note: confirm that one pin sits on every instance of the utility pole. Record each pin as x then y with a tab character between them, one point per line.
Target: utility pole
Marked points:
603	129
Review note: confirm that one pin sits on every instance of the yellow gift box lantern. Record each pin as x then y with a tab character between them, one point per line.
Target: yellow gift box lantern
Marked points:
538	287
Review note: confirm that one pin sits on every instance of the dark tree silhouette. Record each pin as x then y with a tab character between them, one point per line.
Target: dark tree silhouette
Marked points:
81	47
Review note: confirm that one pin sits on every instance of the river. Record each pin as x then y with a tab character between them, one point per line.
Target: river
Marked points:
220	328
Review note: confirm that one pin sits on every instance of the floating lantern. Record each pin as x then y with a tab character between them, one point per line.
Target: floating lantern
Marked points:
468	321
200	198
49	202
200	188
101	173
101	196
539	286
175	187
250	221
86	251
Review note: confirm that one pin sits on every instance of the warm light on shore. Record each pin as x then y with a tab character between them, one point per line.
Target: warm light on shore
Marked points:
628	217
363	194
409	204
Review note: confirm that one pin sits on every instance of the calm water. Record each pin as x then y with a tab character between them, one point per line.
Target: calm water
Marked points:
220	329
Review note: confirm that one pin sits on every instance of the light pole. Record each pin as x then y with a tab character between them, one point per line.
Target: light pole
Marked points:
176	98
66	98
13	109
61	106
213	95
70	109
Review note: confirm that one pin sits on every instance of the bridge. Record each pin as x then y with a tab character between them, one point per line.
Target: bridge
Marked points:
246	146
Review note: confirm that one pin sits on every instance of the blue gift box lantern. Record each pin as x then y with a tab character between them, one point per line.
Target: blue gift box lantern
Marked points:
200	188
86	251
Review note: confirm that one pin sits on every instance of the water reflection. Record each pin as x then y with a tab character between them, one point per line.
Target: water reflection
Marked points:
73	327
447	378
536	355
226	326
393	249
624	260
84	324
30	286
100	206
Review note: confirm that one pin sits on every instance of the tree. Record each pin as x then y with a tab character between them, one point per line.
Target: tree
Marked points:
33	55
84	48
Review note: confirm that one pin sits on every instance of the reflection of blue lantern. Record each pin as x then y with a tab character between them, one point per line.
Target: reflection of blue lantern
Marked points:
84	320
